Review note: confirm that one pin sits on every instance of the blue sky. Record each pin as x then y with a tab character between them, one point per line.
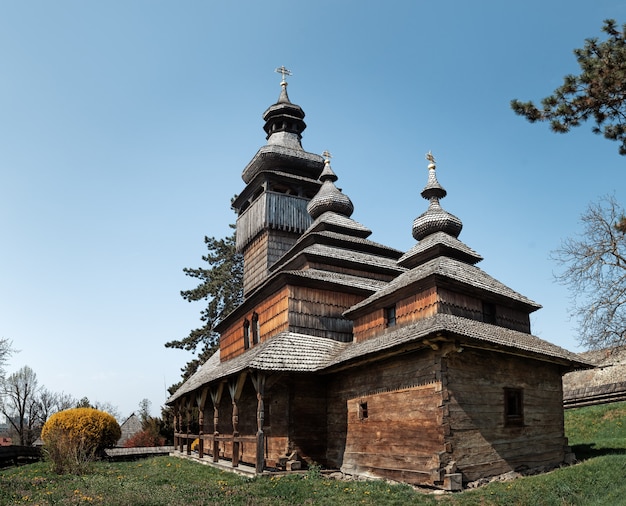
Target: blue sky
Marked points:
125	125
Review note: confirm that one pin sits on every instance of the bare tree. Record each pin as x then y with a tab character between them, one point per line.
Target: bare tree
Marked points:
594	269
5	352
109	408
65	401
144	410
52	402
19	403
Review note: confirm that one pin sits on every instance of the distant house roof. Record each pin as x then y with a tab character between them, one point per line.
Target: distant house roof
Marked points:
130	427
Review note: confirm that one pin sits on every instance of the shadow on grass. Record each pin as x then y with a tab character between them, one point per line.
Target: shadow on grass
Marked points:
588	451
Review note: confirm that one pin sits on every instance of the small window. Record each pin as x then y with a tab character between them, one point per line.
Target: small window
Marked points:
246	334
489	312
513	406
390	316
255	329
363	414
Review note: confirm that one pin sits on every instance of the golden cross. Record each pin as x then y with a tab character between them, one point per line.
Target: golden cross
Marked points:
285	72
326	154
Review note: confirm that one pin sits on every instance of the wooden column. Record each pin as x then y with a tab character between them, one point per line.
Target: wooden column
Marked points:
216	397
181	429
201	401
258	379
176	425
188	404
235	387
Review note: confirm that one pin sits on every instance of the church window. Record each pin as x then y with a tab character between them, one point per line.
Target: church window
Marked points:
246	334
489	312
390	316
363	413
513	406
255	328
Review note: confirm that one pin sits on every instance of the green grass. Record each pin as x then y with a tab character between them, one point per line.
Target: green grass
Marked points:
596	433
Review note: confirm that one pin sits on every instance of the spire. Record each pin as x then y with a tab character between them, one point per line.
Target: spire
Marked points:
329	198
283	98
435	219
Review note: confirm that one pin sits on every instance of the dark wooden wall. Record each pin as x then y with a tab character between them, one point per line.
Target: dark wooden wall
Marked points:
481	443
319	312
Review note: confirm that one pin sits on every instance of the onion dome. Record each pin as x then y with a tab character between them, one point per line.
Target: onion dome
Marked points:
435	219
329	198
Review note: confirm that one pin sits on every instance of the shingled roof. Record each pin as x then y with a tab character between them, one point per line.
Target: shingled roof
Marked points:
484	334
301	353
468	275
287	352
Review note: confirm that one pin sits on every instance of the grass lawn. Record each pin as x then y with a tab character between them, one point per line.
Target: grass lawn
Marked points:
597	433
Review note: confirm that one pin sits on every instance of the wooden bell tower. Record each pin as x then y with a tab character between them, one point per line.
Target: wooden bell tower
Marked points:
280	180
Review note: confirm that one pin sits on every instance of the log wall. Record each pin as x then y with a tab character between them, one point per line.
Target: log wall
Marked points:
481	442
402	435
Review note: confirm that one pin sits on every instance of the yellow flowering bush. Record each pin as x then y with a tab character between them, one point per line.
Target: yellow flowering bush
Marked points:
74	437
195	444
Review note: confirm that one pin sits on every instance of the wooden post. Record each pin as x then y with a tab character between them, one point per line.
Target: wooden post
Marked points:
180	428
189	403
216	397
258	380
201	401
176	428
235	387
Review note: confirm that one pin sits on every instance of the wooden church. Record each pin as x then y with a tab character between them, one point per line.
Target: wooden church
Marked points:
414	366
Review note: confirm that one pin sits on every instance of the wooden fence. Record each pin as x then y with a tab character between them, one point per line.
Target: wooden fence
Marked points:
590	395
16	455
209	445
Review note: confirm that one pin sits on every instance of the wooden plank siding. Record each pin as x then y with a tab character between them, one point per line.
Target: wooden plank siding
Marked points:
433	300
267	248
273	319
319	312
415	307
273	210
481	442
255	262
266	231
403	433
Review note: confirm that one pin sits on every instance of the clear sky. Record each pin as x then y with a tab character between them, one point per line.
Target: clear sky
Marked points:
125	125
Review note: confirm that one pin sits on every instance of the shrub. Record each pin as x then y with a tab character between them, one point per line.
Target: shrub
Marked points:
144	438
195	444
75	437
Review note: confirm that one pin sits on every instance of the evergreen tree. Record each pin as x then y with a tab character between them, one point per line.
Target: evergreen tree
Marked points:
599	92
221	286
